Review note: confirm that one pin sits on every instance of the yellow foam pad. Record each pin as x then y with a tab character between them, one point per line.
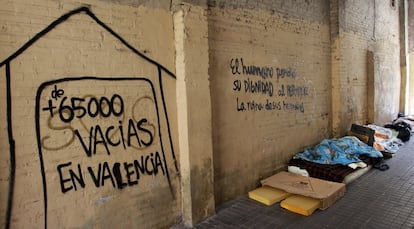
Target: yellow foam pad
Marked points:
301	204
268	195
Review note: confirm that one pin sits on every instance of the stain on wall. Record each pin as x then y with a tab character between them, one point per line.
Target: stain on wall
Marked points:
90	141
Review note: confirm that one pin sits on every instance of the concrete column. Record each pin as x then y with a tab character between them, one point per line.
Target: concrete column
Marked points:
410	44
404	99
335	68
371	87
194	111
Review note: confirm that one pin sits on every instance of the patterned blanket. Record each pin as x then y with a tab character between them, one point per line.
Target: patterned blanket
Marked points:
344	151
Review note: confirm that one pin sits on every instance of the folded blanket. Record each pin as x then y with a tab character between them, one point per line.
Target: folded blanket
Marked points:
342	151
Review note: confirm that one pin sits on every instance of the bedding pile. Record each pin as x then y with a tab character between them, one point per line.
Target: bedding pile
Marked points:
344	151
335	159
365	146
386	139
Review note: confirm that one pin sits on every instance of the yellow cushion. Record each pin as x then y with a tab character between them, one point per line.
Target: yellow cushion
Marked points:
301	204
268	195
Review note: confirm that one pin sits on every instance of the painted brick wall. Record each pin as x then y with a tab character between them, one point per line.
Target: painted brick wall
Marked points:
89	136
92	102
270	87
366	26
325	44
349	79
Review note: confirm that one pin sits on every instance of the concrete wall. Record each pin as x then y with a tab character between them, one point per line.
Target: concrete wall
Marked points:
89	138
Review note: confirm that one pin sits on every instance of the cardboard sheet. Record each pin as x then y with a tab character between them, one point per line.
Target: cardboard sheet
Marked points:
326	191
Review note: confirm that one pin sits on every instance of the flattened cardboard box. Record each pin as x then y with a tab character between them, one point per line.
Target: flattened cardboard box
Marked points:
326	191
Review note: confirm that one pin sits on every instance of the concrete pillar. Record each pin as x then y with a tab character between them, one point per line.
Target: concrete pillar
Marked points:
335	68
371	87
194	111
410	44
404	56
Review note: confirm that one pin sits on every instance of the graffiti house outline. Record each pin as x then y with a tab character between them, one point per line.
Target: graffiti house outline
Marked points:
11	140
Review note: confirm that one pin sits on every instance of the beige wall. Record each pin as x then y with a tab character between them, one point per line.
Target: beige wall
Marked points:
270	86
215	96
410	88
79	164
410	80
194	113
367	26
326	45
387	67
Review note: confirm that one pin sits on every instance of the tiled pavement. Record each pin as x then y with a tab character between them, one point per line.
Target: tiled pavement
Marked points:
378	199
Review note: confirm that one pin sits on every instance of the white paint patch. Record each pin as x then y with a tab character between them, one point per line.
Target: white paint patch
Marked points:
103	200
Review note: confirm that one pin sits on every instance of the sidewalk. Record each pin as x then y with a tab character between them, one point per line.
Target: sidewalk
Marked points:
378	199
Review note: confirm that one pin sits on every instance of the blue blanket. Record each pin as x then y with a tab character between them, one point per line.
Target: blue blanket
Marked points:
343	151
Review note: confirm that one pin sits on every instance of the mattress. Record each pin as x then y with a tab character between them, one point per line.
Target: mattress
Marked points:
336	173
